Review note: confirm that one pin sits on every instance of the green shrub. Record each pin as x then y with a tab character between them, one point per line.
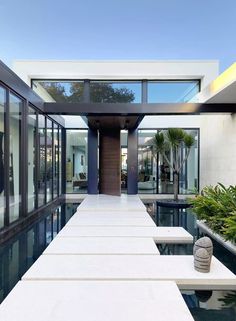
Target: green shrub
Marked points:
217	206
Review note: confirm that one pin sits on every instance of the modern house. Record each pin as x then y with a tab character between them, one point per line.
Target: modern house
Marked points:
86	127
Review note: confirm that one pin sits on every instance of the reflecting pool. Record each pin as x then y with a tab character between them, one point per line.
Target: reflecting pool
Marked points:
20	252
204	305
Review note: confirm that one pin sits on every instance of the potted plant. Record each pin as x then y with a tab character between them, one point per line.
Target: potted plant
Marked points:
172	142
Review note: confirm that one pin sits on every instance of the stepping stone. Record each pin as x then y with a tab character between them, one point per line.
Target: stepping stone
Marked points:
112	203
111	214
93	245
76	220
171	235
89	301
178	268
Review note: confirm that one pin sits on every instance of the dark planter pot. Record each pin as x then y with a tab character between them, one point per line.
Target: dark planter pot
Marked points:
173	204
177	207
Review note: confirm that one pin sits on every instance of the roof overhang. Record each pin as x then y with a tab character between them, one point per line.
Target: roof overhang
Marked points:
127	116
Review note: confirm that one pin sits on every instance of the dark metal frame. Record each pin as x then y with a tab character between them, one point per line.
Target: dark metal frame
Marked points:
145	109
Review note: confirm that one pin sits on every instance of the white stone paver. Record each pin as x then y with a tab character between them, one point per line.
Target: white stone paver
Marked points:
112	203
94	301
111	214
178	268
171	235
94	245
104	265
76	220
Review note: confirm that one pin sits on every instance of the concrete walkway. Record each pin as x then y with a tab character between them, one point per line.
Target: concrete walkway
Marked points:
104	265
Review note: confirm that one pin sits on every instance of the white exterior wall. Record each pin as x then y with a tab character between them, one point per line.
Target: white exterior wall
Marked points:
218	150
207	71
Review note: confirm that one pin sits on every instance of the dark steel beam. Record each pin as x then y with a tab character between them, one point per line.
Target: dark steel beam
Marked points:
16	84
125	109
11	80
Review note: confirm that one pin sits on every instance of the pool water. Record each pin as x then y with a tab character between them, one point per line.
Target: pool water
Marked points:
204	305
20	252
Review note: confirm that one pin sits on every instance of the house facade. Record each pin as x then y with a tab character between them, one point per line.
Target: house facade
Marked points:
87	127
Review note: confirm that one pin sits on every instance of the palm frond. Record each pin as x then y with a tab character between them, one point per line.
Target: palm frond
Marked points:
175	136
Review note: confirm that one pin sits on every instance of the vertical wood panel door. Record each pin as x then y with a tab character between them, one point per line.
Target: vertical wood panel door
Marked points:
110	162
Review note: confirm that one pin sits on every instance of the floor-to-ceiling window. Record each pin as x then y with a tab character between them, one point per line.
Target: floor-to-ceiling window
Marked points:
60	158
2	169
124	156
76	161
154	174
147	163
49	170
55	161
15	114
42	159
32	136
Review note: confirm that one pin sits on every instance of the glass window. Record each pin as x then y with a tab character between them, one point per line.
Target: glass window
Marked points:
147	166
2	131
55	161
76	161
155	176
115	92
42	171
124	157
172	91
15	110
59	158
32	128
49	161
59	91
188	180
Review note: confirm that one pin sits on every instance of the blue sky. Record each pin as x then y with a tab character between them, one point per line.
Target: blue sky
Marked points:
118	29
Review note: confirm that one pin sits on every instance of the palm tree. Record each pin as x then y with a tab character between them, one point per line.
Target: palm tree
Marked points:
173	141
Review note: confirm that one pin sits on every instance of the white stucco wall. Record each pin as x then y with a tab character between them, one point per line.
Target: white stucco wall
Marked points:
204	70
218	150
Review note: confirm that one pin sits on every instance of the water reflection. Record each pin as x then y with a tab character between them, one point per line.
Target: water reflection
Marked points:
19	253
204	305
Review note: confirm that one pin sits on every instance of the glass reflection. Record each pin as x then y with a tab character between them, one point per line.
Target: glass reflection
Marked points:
49	169
15	110
59	91
42	169
32	132
59	157
2	131
172	91
19	253
55	161
115	92
147	166
155	176
76	161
